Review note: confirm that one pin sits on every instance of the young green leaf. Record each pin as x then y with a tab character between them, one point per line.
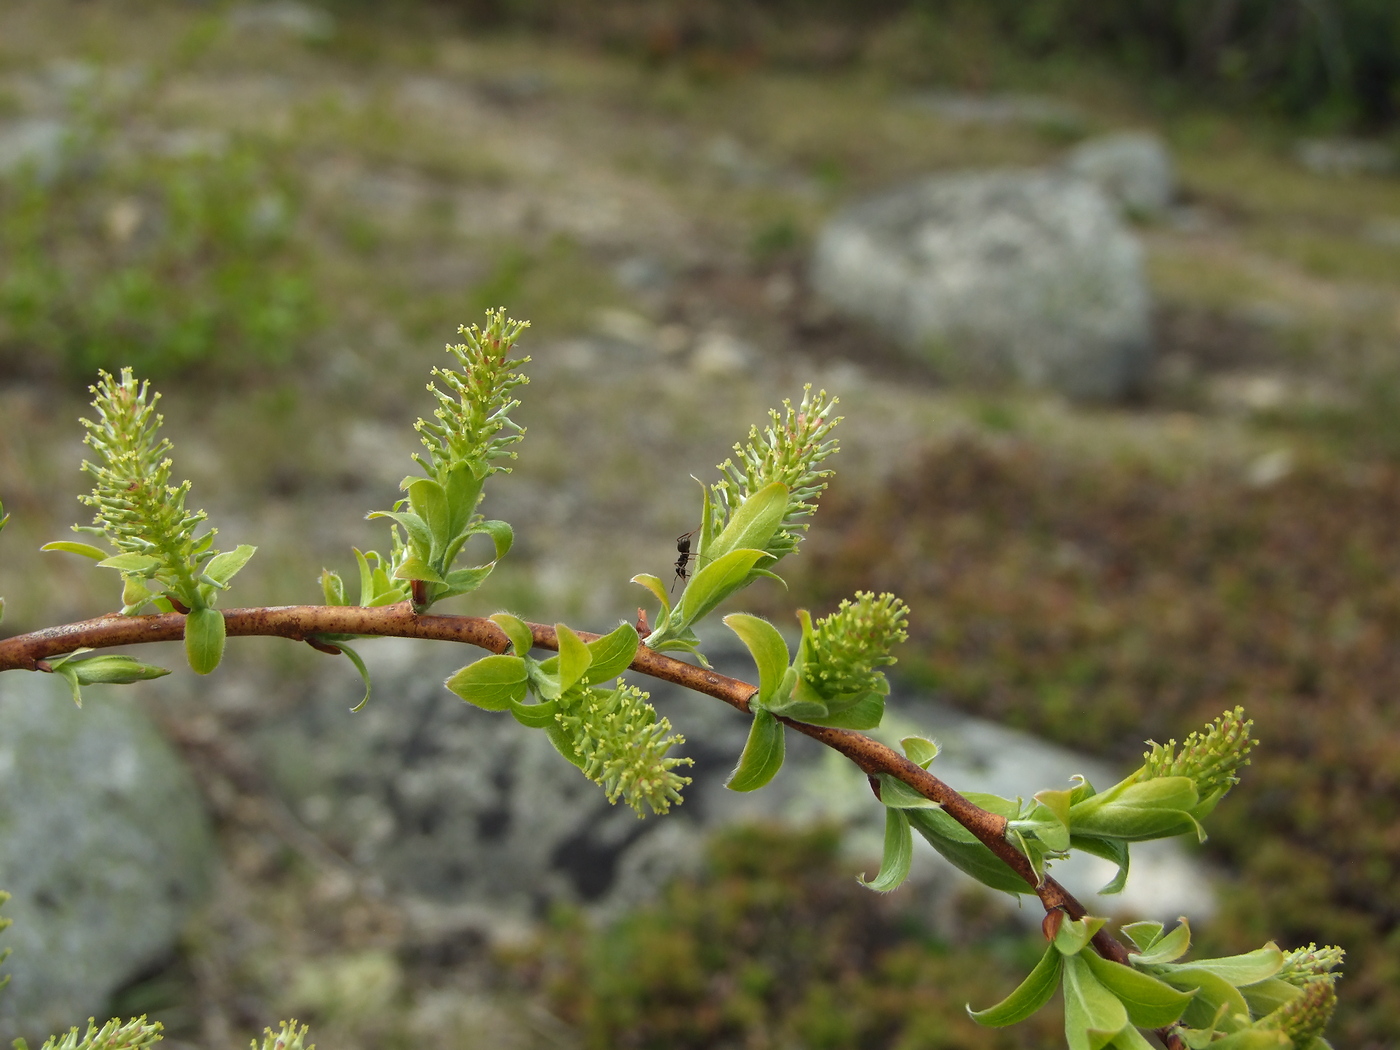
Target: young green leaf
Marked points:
898	854
223	567
87	550
920	751
753	524
359	663
866	713
960	847
613	653
1093	1014
333	587
204	639
896	794
575	658
1150	1003
502	535
492	683
769	652
763	754
654	584
517	630
114	669
1030	995
1160	949
716	582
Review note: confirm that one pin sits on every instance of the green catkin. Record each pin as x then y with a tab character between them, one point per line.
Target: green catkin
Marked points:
474	426
789	450
1211	757
851	644
622	745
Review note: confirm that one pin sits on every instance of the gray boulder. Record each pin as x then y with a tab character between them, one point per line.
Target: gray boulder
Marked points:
1132	167
103	843
1030	275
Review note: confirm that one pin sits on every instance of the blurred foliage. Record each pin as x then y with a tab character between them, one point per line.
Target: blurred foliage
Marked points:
1102	603
1333	59
777	945
166	261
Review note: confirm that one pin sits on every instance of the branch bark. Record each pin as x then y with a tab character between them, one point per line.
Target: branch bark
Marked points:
313	623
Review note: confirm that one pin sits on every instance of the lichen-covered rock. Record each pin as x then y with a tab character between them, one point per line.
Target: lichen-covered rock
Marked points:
103	843
1028	274
1132	167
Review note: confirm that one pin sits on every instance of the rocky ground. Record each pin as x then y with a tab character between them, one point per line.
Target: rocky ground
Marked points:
655	223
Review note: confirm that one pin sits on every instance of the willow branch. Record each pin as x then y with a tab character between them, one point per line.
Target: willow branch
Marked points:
313	623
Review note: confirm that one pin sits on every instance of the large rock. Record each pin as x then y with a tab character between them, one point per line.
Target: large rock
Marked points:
1024	274
477	823
1132	167
103	843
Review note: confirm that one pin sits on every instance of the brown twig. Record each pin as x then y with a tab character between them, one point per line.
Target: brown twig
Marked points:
319	624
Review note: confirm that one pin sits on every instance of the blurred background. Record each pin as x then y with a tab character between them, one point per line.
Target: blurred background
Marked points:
1108	293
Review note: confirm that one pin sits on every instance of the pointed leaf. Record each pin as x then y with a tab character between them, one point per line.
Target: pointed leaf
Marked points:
919	750
868	713
753	524
960	848
1166	949
574	657
1115	850
1266	996
517	630
769	652
1032	993
354	658
563	742
613	653
1150	1003
367	593
763	754
114	670
897	856
1093	1014
333	587
1146	809
415	568
492	683
429	502
536	716
464	581
502	535
420	537
223	566
716	582
1217	1001
134	563
656	587
87	550
896	794
204	639
1143	934
71	677
1241	970
463	490
1074	936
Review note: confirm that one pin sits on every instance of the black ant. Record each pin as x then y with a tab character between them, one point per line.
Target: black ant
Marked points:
683	557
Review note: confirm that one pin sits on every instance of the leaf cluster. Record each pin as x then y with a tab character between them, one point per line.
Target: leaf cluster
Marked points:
613	735
1263	999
